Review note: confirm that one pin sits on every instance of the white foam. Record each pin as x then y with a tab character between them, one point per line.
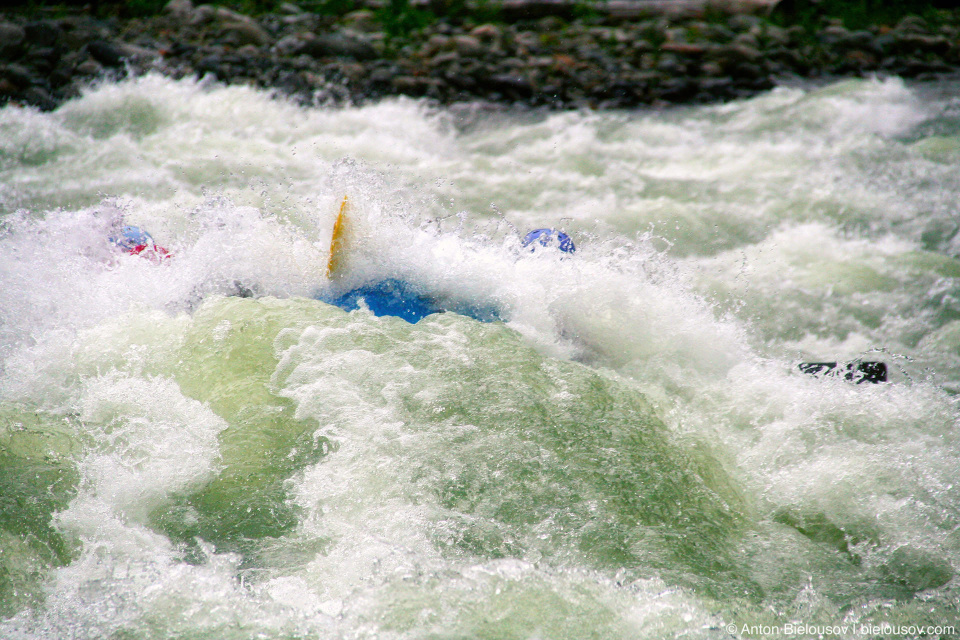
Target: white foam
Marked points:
717	247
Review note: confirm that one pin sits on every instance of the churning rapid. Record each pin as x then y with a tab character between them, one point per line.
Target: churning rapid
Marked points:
199	447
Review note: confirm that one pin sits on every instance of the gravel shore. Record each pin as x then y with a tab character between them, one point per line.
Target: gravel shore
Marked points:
595	61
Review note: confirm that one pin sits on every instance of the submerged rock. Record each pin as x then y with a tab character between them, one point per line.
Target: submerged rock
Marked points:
917	570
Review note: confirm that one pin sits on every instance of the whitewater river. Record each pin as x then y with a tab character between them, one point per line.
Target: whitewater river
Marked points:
631	453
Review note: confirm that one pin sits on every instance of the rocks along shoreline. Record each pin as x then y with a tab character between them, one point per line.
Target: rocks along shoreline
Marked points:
594	61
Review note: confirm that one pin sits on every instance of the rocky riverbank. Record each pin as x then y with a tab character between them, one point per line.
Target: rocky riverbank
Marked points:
597	61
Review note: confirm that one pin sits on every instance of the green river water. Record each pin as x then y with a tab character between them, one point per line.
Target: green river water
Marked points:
631	453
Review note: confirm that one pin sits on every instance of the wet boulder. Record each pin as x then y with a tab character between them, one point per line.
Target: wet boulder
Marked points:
43	33
243	33
181	9
338	44
107	53
12	37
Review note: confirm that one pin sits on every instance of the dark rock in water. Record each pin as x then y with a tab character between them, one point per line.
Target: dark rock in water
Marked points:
89	67
749	72
790	10
44	33
291	45
292	83
383	74
677	89
7	88
671	65
238	34
116	54
913	67
921	44
434	44
248	52
203	14
788	58
443	59
180	49
361	20
61	75
212	63
716	88
912	23
512	86
857	62
863	40
67	92
831	34
776	36
737	53
39	97
711	68
76	38
43	59
181	9
106	53
418	86
18	75
328	45
467	45
818	528
917	570
460	81
516	10
487	32
684	48
224	15
12	37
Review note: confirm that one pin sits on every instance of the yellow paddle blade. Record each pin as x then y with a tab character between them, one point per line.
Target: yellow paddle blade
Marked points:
338	241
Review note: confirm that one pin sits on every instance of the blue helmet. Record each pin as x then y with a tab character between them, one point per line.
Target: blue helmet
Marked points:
131	238
549	238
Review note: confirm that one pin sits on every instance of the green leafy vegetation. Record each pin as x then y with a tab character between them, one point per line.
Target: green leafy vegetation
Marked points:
399	17
855	14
